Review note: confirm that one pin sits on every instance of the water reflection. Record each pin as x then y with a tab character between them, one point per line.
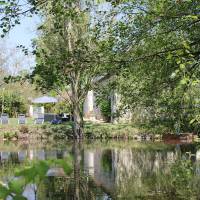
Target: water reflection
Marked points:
21	156
113	170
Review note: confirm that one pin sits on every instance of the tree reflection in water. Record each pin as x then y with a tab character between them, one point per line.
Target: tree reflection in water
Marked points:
106	160
55	179
95	173
178	183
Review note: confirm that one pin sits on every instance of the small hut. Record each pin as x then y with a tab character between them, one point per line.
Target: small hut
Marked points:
37	105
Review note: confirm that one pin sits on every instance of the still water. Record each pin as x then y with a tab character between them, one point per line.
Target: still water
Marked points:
96	170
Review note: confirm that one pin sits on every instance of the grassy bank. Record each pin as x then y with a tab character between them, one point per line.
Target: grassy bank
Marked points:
64	131
106	130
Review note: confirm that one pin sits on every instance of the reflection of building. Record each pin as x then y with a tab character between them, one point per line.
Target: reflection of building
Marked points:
22	155
89	162
40	154
4	155
94	167
112	168
30	192
198	162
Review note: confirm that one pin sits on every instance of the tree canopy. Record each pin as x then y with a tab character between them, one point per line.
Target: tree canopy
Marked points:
67	54
157	44
149	48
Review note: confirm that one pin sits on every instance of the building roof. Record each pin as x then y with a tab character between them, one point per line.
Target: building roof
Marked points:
45	99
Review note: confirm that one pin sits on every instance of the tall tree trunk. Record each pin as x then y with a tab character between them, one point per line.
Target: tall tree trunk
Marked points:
76	107
78	122
75	99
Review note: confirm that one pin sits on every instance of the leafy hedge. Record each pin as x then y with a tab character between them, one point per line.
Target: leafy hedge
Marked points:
12	103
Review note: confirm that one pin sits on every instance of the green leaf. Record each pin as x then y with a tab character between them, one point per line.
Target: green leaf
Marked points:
182	66
184	81
4	191
37	170
19	197
195	17
28	174
192	121
16	186
65	164
41	168
186	45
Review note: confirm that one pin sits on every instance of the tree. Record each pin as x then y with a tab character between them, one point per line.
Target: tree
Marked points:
67	55
157	44
12	103
152	47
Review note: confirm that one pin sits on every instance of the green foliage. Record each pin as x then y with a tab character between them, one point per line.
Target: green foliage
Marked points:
106	161
4	192
65	55
151	48
61	107
13	103
10	135
105	107
176	181
103	100
33	173
156	53
64	49
108	131
181	175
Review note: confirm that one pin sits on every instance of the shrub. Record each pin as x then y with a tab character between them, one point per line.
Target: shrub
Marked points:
13	103
23	129
9	135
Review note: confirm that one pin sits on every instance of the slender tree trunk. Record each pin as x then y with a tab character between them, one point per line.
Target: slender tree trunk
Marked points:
76	107
75	99
78	122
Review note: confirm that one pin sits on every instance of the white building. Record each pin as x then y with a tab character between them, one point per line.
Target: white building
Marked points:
92	111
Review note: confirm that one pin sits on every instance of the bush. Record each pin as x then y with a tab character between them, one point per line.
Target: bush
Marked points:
12	103
60	107
23	129
103	100
9	135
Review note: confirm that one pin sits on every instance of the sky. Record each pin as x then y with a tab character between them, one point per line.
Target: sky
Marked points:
21	35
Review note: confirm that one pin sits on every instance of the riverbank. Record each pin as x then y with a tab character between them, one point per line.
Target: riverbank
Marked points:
30	131
13	131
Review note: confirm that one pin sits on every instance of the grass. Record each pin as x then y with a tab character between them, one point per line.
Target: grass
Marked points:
111	130
154	129
12	127
92	130
13	122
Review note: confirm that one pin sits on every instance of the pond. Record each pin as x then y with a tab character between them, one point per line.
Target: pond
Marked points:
97	170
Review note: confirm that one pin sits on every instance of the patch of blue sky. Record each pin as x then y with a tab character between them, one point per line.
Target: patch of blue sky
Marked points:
22	34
